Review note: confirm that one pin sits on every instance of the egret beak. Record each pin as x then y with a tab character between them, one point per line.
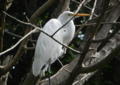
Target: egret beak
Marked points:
81	14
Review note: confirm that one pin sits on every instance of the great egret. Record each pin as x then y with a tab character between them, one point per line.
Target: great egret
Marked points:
47	50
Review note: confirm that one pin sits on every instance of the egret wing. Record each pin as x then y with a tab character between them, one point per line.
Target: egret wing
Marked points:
47	48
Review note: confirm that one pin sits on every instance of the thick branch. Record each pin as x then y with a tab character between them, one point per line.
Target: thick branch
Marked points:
62	75
77	68
109	52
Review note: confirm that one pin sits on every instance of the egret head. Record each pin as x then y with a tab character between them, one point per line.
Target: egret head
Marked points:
69	28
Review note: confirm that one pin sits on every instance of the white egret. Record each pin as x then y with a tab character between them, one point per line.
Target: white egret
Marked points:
47	50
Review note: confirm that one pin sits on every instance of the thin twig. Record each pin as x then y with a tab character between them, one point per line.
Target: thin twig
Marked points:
26	23
11	48
13	34
89	24
93	10
85	6
17	36
80	5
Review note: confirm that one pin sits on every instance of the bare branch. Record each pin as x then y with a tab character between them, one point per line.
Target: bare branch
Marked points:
26	23
80	5
85	6
13	34
11	48
90	24
2	22
93	10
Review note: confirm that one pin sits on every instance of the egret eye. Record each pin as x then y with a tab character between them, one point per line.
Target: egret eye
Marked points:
64	30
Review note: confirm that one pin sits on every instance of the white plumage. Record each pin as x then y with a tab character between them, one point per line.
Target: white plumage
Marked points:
47	48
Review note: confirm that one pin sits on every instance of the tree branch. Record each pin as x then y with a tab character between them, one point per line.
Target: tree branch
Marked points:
105	56
2	22
93	10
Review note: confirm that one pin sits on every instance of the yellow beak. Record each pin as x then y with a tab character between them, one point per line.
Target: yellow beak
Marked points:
81	14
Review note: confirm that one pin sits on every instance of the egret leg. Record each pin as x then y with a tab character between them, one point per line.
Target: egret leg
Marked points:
63	65
49	70
60	62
